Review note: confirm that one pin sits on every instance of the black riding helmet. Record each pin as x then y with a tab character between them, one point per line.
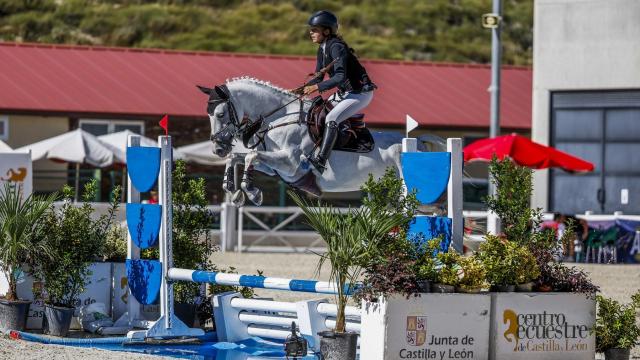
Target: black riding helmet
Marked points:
325	19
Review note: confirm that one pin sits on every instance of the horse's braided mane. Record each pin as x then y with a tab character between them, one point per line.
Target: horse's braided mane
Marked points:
266	84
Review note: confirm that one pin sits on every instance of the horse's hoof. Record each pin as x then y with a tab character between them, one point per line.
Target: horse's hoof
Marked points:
255	197
238	198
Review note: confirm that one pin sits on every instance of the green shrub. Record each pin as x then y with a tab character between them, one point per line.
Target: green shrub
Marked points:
499	259
511	203
449	267
521	225
115	246
75	239
472	273
389	267
192	243
616	325
526	269
425	266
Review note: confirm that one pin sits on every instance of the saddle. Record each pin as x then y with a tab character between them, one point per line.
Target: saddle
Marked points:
353	136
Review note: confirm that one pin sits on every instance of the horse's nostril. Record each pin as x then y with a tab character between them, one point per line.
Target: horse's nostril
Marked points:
219	152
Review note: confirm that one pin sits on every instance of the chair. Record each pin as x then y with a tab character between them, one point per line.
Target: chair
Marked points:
608	250
593	243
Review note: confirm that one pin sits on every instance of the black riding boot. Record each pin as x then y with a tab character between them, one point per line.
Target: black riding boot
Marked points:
328	140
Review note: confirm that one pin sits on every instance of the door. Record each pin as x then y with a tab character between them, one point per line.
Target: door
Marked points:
603	128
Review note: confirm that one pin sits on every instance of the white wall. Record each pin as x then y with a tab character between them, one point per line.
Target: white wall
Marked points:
580	45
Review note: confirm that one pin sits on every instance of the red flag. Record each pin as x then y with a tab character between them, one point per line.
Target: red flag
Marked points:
164	123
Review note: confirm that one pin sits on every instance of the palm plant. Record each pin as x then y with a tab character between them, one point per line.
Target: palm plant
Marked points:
351	239
19	218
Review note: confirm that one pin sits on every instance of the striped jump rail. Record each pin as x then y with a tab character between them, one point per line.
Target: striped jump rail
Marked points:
256	281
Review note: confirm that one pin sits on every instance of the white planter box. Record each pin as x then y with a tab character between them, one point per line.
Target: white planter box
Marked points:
542	326
98	290
432	326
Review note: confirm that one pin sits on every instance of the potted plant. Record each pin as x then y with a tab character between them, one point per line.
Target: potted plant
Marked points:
526	269
616	328
521	227
391	266
499	259
75	239
511	202
472	274
350	239
555	276
426	266
18	219
448	268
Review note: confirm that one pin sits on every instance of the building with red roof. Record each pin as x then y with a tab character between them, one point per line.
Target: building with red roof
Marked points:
50	89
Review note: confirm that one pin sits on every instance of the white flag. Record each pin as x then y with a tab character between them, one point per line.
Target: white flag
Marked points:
411	124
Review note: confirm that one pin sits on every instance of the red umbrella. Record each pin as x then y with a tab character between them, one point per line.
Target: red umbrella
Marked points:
524	152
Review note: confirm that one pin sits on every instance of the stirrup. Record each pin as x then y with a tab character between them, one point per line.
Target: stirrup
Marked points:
318	164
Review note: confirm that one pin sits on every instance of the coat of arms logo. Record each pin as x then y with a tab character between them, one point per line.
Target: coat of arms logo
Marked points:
416	330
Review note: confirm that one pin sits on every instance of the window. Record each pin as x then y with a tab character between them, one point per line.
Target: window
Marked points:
103	127
4	127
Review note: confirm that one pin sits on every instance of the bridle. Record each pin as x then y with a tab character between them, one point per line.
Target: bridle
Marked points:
221	95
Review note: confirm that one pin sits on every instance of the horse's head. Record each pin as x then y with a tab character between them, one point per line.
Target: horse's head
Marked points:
223	117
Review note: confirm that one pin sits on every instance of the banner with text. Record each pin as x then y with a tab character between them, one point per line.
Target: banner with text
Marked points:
432	326
543	326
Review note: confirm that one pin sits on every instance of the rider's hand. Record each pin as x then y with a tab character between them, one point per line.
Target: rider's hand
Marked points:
297	91
310	89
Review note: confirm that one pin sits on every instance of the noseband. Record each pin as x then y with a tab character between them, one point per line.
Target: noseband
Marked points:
222	96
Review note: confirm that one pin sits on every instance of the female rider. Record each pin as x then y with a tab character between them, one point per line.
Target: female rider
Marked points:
355	89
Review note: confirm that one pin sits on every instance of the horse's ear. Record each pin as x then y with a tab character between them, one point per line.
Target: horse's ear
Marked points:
221	93
205	90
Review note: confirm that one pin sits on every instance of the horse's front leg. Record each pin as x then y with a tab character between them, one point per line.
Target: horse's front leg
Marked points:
228	181
230	184
268	162
253	193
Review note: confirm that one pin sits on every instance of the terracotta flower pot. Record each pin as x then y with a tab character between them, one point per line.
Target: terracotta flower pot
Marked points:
545	288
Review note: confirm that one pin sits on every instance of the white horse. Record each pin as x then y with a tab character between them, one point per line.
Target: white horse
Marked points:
274	120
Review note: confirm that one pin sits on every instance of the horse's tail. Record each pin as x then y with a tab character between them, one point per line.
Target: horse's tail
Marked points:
430	142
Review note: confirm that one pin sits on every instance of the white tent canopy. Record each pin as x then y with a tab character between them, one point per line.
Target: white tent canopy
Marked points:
120	140
4	147
77	146
202	153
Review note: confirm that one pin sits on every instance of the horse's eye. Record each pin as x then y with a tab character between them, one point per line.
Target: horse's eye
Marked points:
220	116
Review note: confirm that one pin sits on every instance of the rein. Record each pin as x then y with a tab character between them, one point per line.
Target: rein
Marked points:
254	127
